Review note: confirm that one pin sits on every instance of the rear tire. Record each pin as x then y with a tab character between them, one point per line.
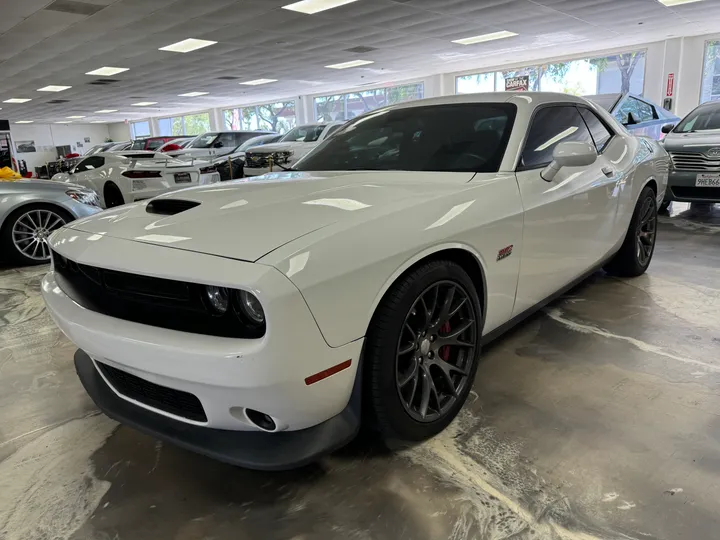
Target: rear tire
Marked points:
112	195
637	250
416	347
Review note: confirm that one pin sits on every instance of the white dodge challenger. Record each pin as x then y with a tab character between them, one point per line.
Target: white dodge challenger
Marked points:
258	321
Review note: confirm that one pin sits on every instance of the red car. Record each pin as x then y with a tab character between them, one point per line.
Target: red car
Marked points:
153	143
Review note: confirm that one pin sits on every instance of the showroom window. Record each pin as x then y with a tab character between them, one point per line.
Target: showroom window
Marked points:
140	129
352	104
278	117
711	73
624	72
191	124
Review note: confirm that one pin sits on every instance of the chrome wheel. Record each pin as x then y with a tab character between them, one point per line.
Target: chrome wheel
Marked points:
645	236
31	231
435	351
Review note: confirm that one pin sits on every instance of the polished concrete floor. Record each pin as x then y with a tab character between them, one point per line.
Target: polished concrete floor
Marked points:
597	418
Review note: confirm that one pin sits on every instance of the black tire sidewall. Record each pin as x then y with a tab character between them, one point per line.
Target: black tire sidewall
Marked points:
392	419
647	193
112	193
6	241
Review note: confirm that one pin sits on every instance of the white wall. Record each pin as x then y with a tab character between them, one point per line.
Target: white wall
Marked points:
119	132
691	61
48	136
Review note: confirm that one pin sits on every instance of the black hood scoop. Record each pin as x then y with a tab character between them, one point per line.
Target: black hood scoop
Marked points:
170	207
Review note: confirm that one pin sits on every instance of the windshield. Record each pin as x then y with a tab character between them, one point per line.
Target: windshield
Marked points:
606	101
705	118
138	144
304	133
469	137
204	141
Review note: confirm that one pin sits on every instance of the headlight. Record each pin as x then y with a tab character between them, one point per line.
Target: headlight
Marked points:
84	196
250	307
218	298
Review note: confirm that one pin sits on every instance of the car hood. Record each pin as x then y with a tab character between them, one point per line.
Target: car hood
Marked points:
247	219
692	142
50	186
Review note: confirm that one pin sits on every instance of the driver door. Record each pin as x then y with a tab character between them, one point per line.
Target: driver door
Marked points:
569	222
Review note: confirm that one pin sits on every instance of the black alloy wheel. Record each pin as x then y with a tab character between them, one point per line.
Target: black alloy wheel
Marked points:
435	351
646	231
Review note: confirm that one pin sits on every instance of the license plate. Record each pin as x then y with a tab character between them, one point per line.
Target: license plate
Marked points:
182	178
707	180
138	185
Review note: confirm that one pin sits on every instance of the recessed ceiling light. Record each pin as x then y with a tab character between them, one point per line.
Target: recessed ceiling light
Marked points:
484	37
24	121
107	71
75	117
144	103
194	94
677	2
105	111
258	81
53	88
315	6
351	64
187	45
17	100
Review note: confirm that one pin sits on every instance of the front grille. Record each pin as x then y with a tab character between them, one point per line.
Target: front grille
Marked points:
166	399
681	192
164	303
694	161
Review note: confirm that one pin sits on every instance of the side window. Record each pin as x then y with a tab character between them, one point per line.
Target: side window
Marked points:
89	164
227	140
600	133
641	111
551	126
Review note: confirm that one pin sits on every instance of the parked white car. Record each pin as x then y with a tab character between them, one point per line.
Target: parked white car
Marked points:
295	144
120	178
249	320
216	143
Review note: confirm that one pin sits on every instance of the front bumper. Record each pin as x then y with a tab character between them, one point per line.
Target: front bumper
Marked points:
681	187
257	171
254	450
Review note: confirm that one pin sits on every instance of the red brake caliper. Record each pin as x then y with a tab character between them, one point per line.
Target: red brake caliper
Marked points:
445	350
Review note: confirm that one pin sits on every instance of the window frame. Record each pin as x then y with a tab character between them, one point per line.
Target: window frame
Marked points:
519	167
706	48
314	97
612	132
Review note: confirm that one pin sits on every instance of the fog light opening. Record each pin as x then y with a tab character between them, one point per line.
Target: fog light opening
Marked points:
261	420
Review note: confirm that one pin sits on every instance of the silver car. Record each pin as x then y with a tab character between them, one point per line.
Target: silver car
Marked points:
694	147
30	210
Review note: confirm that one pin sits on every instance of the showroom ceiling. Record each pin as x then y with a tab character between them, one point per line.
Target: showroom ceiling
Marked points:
56	43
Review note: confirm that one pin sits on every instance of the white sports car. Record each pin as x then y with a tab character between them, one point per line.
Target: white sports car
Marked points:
129	176
295	144
249	320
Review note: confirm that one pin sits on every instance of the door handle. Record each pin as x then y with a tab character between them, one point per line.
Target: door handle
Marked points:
608	171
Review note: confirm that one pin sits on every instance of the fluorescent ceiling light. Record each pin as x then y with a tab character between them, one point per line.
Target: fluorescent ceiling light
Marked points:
315	6
351	64
258	81
74	117
17	100
53	88
24	121
677	2
194	94
484	37
105	111
98	122
187	45
144	103
65	122
107	71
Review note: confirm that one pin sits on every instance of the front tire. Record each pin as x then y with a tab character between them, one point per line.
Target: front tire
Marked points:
26	230
422	351
637	250
112	195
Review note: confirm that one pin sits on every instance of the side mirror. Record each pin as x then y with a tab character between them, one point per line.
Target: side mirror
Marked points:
630	120
569	154
667	128
218	144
